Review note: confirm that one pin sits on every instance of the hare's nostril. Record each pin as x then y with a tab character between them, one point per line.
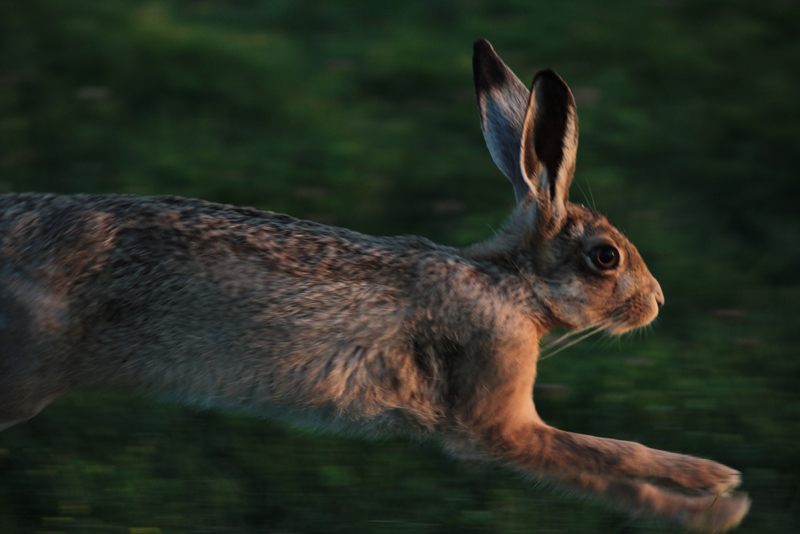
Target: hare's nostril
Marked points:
658	294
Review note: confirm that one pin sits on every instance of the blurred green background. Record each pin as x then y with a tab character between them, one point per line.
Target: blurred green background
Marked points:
362	114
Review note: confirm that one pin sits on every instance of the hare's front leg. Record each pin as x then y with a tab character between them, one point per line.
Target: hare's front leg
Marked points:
704	514
548	452
626	475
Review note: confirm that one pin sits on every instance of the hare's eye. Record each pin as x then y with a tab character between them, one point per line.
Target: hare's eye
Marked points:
604	257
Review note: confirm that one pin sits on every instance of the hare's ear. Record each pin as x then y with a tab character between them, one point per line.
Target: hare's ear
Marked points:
502	101
549	145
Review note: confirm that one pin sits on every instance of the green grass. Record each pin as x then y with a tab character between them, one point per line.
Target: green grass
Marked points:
362	114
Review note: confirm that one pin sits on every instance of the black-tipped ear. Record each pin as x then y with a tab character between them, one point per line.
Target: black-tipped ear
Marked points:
549	146
502	101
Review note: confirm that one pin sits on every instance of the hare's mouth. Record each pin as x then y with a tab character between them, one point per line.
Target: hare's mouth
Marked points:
618	329
621	326
637	312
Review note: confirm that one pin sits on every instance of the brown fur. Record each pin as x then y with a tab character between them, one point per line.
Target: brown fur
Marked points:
234	307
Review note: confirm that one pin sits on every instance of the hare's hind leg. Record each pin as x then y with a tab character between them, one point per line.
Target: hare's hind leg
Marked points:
29	332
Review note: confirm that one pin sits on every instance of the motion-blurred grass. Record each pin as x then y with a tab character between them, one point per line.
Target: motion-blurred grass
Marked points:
362	114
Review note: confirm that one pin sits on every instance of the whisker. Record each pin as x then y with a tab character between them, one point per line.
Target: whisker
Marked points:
567	335
561	338
583	193
571	343
589	185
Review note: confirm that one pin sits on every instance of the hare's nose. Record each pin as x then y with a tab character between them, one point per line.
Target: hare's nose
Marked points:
657	293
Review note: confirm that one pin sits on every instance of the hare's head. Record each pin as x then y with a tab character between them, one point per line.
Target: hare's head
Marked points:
587	274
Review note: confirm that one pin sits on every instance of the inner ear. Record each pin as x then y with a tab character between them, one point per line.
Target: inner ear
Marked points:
548	148
553	106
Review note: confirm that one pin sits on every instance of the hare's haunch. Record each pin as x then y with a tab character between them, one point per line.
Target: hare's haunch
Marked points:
234	307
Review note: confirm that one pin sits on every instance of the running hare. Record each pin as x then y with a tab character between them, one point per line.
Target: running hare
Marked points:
234	307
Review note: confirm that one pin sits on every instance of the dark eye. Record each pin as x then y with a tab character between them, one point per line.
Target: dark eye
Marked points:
604	257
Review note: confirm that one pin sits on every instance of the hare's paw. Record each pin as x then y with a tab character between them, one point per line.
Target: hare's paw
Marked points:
717	514
717	479
695	476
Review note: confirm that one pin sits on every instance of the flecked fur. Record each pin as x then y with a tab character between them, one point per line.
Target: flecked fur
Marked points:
234	307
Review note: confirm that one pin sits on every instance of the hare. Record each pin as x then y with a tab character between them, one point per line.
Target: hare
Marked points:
234	307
